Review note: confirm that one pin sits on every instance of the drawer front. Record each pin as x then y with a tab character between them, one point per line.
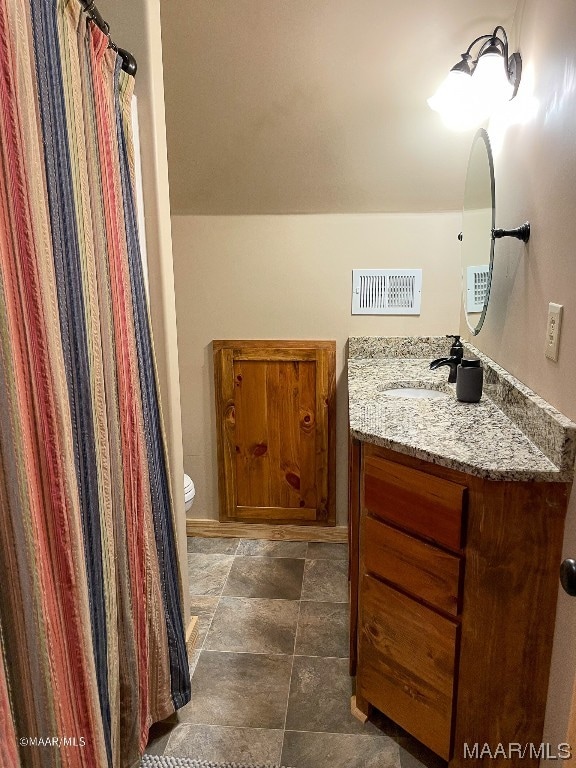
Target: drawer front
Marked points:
417	501
413	565
407	657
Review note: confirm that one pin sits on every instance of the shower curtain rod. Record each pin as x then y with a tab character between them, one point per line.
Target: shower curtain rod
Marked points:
128	61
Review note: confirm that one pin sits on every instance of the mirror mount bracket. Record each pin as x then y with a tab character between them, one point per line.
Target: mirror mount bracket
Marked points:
521	233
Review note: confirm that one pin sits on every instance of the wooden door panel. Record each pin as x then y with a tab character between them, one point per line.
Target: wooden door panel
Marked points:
300	515
275	405
325	435
261	352
272	427
283	432
251	434
308	435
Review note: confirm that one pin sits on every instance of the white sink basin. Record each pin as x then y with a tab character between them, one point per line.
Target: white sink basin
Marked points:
415	393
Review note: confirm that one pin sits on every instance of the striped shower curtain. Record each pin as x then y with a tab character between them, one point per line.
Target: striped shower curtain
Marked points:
92	645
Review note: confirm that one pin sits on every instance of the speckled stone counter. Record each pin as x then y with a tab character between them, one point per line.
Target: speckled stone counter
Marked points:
511	434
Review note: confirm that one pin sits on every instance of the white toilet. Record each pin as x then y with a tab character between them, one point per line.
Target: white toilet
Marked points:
189	492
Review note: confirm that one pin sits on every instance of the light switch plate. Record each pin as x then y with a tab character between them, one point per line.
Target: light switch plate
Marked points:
553	331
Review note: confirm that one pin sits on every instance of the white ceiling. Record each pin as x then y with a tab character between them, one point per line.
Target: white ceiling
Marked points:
315	106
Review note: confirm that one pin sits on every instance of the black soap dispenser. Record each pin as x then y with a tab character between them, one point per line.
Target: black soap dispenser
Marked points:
457	348
469	378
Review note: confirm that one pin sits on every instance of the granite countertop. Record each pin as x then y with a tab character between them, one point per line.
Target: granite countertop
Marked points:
511	434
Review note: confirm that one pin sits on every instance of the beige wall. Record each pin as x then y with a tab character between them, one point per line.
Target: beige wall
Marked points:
289	277
135	25
535	167
315	106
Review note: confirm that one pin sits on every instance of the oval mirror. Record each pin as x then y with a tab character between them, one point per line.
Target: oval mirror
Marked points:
478	221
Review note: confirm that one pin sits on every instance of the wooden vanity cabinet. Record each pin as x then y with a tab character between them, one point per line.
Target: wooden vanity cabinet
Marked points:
454	583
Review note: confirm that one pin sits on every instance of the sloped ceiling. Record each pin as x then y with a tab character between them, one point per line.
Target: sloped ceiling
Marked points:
315	106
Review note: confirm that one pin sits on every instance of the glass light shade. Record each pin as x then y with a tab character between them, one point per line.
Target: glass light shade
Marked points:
457	103
454	89
491	85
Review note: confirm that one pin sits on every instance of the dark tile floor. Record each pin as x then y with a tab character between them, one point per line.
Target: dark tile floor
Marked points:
270	679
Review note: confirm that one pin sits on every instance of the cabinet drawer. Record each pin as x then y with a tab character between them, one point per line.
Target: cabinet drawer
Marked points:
420	568
407	656
417	501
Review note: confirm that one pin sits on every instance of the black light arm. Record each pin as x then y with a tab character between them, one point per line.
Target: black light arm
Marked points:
491	40
512	64
473	43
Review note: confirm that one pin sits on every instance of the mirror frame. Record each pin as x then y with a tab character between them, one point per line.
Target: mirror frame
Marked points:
481	135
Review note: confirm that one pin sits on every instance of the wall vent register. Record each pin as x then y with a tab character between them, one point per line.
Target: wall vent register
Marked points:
386	291
477	282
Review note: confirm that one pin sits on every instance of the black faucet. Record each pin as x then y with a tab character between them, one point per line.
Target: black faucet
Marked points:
456	355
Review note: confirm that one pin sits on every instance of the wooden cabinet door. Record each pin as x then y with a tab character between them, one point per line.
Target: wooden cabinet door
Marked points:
406	663
275	419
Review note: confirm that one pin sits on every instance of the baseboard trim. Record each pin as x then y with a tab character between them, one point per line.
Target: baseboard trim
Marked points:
213	528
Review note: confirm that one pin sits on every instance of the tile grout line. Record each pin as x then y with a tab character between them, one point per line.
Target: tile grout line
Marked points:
271	653
221	593
219	596
293	657
179	724
172	732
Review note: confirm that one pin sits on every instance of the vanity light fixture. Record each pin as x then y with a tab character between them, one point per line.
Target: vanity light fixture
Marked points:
475	87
